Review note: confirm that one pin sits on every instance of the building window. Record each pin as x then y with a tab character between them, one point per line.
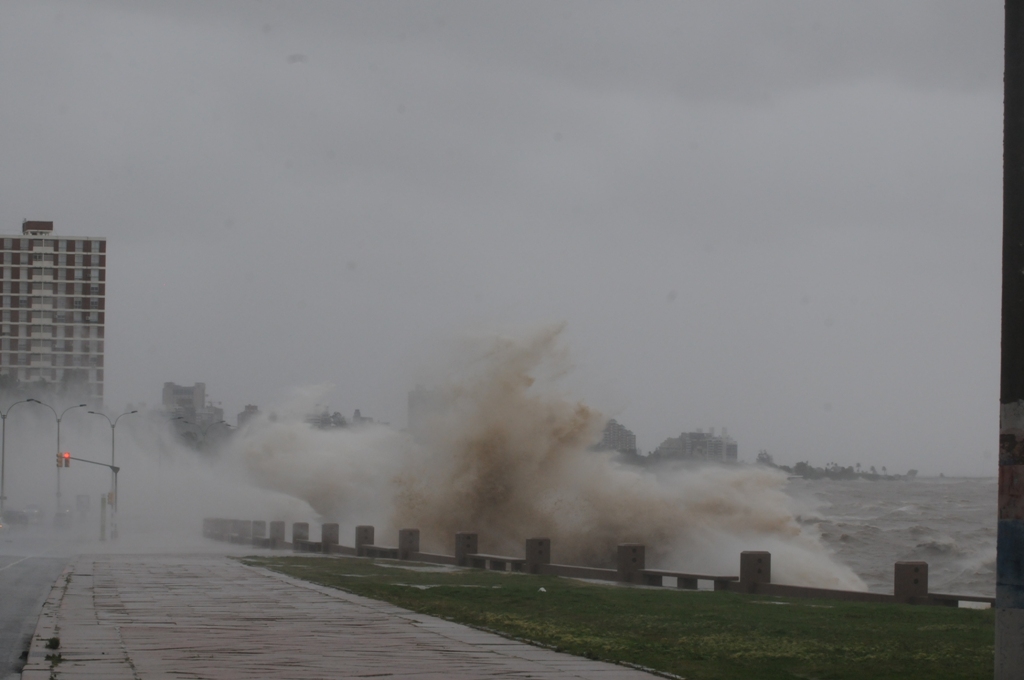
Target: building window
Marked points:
78	303
95	303
94	289
78	275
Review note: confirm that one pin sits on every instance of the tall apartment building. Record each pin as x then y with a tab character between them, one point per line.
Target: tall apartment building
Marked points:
698	446
52	310
617	437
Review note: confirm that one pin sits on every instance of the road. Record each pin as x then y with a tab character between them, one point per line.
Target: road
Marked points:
27	572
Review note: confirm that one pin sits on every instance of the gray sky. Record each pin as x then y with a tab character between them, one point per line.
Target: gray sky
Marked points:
781	217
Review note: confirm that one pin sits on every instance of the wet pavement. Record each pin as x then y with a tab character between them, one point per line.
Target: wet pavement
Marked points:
25	581
208	616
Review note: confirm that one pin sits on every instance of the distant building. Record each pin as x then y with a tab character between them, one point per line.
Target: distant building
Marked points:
189	404
697	446
327	420
184	397
248	414
52	312
359	419
616	437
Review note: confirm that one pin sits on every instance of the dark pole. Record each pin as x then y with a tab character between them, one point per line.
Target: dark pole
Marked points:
1010	542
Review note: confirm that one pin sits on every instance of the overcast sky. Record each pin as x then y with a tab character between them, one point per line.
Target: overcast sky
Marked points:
779	217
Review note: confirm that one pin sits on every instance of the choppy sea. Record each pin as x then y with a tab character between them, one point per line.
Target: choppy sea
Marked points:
950	523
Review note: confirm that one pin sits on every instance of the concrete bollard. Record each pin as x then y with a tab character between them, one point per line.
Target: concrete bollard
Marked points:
755	567
300	533
465	544
538	552
242	531
277	535
630	560
910	581
259	529
364	536
408	543
328	536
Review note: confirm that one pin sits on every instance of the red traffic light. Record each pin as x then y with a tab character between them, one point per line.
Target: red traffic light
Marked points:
67	459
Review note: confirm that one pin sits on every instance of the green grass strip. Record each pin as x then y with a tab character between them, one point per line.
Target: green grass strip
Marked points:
699	635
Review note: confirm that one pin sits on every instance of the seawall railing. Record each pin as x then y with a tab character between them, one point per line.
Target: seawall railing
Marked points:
910	579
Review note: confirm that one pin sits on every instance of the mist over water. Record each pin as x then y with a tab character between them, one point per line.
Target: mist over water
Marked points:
505	453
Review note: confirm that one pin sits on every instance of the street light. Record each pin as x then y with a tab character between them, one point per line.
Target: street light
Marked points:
3	454
58	417
113	474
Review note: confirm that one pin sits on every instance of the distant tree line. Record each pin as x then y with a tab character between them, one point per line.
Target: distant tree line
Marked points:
831	471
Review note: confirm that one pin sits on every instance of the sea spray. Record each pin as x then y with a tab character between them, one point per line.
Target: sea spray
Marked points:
504	453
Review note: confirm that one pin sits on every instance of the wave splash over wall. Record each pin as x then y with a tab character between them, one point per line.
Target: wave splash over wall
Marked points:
503	452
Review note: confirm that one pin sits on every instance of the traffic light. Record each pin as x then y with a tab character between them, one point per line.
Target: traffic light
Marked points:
60	460
67	459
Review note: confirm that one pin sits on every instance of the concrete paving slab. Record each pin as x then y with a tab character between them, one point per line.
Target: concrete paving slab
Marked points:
210	617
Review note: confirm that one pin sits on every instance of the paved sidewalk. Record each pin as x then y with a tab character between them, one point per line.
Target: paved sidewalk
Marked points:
211	617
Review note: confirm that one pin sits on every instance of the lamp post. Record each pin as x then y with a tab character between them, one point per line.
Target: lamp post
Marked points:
58	417
113	467
3	454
